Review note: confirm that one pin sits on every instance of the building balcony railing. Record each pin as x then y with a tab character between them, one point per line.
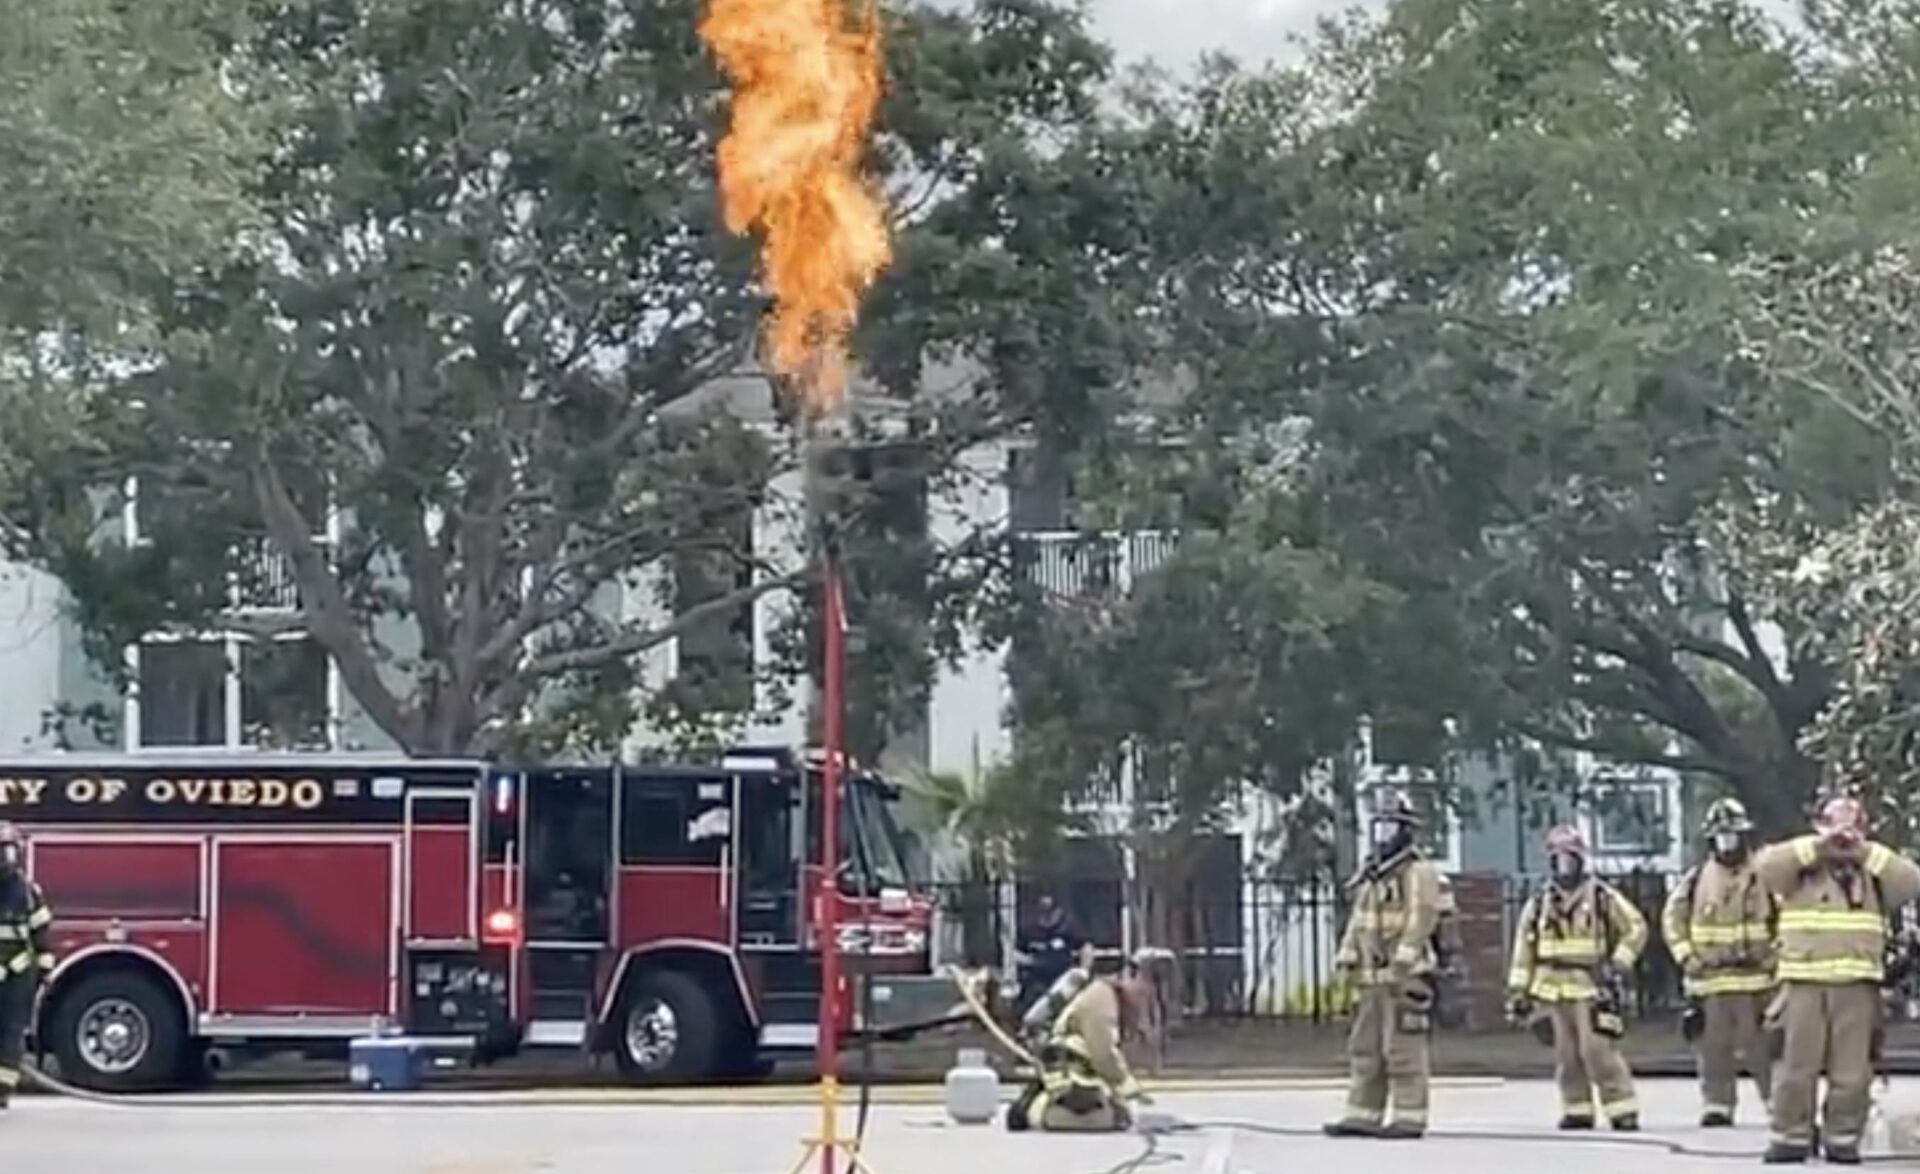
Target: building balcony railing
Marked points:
1076	564
264	580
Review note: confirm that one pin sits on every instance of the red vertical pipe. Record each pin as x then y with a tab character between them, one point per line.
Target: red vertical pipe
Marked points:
833	681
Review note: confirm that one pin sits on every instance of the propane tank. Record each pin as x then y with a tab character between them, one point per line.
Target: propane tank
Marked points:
973	1089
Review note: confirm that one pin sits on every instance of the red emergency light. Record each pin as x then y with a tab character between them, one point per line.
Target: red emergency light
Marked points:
502	927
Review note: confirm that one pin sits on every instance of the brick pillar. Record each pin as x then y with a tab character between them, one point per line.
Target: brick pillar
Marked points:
1481	900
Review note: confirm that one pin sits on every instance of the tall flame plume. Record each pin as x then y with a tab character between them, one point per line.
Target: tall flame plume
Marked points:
806	78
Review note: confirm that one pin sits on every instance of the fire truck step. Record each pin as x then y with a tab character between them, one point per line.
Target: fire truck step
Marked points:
547	1033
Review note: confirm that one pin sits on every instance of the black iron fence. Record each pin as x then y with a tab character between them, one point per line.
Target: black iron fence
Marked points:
1258	947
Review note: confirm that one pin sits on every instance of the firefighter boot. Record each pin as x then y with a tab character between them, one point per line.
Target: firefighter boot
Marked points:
1716	1119
1574	1121
1626	1123
1786	1153
1404	1130
1843	1155
1350	1128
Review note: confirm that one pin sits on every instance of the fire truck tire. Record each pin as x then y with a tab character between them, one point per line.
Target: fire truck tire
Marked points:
668	1031
119	1031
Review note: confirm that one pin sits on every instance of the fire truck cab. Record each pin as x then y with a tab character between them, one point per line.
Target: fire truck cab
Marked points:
247	902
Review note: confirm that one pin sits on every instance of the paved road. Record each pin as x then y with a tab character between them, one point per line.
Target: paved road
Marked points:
759	1132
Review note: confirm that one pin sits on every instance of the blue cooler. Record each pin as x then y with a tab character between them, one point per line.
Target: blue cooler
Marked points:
387	1063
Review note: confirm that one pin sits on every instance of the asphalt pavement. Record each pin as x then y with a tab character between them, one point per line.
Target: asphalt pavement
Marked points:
1244	1127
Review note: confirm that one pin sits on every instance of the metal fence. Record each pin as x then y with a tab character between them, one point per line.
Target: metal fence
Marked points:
1265	948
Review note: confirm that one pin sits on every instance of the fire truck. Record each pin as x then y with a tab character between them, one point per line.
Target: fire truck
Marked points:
212	906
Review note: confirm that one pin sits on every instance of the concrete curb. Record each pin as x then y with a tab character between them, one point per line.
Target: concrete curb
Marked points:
747	1096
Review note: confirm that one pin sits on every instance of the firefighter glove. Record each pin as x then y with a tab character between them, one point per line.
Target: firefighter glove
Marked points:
1519	1006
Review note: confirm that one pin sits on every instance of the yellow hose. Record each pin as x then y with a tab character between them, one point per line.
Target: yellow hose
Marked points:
986	1018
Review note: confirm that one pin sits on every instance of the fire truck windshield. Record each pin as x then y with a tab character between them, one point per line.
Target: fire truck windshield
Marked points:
875	836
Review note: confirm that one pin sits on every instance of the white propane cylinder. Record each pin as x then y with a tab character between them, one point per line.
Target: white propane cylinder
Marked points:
973	1089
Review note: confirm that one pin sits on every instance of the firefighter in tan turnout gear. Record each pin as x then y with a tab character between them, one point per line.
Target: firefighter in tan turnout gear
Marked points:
1719	924
1574	940
1835	889
1084	1084
1387	951
26	954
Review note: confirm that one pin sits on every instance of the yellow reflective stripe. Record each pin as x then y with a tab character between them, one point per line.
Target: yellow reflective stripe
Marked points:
1724	935
1806	849
19	963
1831	920
12	933
1730	984
1408	952
1878	857
1517	979
9	1078
43	961
1620	1108
40	918
1584	949
1571	989
1831	970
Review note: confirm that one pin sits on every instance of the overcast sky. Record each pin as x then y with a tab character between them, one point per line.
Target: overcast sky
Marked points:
1175	32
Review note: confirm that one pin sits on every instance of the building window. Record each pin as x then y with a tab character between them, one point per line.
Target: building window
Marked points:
283	695
183	693
1632	818
225	690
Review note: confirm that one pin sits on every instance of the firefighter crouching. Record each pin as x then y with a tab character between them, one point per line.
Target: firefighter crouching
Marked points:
26	954
1575	938
1387	950
1719	923
1084	1084
1835	888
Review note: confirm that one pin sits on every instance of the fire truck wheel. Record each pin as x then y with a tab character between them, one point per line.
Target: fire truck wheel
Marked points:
119	1031
669	1029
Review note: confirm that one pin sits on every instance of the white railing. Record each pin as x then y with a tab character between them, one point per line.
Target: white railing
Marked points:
264	580
1073	563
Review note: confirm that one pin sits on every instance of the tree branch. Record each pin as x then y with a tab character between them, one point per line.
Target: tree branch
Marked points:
329	616
519	686
1623	752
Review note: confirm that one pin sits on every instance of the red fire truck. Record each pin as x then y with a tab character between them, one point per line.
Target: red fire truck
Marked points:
228	904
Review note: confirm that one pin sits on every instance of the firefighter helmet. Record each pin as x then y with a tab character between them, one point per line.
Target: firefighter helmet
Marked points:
1726	815
1393	805
1566	840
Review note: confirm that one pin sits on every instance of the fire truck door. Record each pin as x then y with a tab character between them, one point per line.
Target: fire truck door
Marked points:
442	879
569	863
771	911
566	901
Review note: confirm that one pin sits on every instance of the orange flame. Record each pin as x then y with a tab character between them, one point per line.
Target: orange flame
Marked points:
806	82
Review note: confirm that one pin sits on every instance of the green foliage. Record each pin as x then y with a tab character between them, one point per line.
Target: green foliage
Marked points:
489	322
126	157
1481	260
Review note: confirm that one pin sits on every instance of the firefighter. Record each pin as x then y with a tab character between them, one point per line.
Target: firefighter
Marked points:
1084	1084
1388	951
1835	889
1575	939
1719	924
26	954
